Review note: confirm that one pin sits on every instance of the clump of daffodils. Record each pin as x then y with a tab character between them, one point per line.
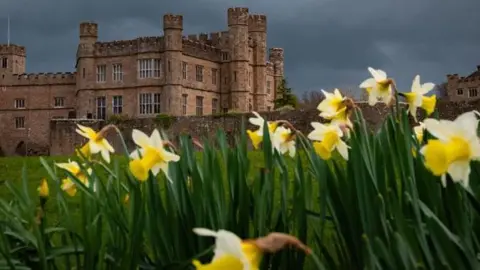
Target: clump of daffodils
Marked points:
233	253
328	137
151	156
283	138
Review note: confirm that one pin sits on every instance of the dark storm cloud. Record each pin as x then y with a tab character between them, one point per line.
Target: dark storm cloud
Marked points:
328	43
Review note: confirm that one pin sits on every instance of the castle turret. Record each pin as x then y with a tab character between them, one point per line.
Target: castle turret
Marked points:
172	90
276	57
12	60
239	61
86	70
257	28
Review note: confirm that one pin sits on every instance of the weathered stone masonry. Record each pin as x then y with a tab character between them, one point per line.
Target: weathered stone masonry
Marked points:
64	139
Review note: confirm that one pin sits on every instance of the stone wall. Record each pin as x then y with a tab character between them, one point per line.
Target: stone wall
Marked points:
64	139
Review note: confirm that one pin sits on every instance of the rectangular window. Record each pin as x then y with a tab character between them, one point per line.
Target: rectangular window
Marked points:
184	70
224	56
117	70
199	73
117	104
214	105
472	92
269	87
169	64
4	62
156	102
214	76
234	76
269	108
149	68
145	102
184	104
58	102
101	73
460	91
20	122
199	106
19	103
101	105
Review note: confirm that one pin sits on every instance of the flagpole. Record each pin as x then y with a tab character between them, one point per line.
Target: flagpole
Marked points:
8	30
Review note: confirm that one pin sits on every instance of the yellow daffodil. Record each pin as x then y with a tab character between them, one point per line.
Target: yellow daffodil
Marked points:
96	143
67	184
379	87
284	141
416	98
456	144
257	136
154	157
230	252
331	105
43	190
326	139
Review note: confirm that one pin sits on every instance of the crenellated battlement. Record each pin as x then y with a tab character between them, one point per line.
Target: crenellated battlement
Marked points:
237	16
12	49
172	21
129	47
213	38
41	78
200	49
276	53
88	29
257	23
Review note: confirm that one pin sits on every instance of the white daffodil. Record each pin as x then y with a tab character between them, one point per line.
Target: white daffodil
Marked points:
154	156
230	252
331	105
256	136
456	145
283	140
379	87
96	143
72	167
326	139
419	131
416	98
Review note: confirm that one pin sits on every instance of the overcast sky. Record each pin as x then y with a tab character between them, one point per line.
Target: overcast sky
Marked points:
328	43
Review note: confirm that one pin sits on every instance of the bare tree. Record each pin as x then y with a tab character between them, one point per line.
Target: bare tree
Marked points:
311	99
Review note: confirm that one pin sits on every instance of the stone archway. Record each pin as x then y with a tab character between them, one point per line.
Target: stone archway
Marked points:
21	149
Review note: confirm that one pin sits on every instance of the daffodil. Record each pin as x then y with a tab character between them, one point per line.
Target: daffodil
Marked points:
96	143
230	252
416	98
456	144
331	105
43	189
154	157
379	87
326	139
257	136
419	131
284	141
72	167
126	199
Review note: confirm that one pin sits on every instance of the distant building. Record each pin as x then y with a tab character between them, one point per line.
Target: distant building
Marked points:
463	88
171	74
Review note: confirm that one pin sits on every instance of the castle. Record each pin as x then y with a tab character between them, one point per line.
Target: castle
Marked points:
463	88
140	78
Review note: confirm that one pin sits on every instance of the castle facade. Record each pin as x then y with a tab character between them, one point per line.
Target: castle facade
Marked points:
171	74
463	88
